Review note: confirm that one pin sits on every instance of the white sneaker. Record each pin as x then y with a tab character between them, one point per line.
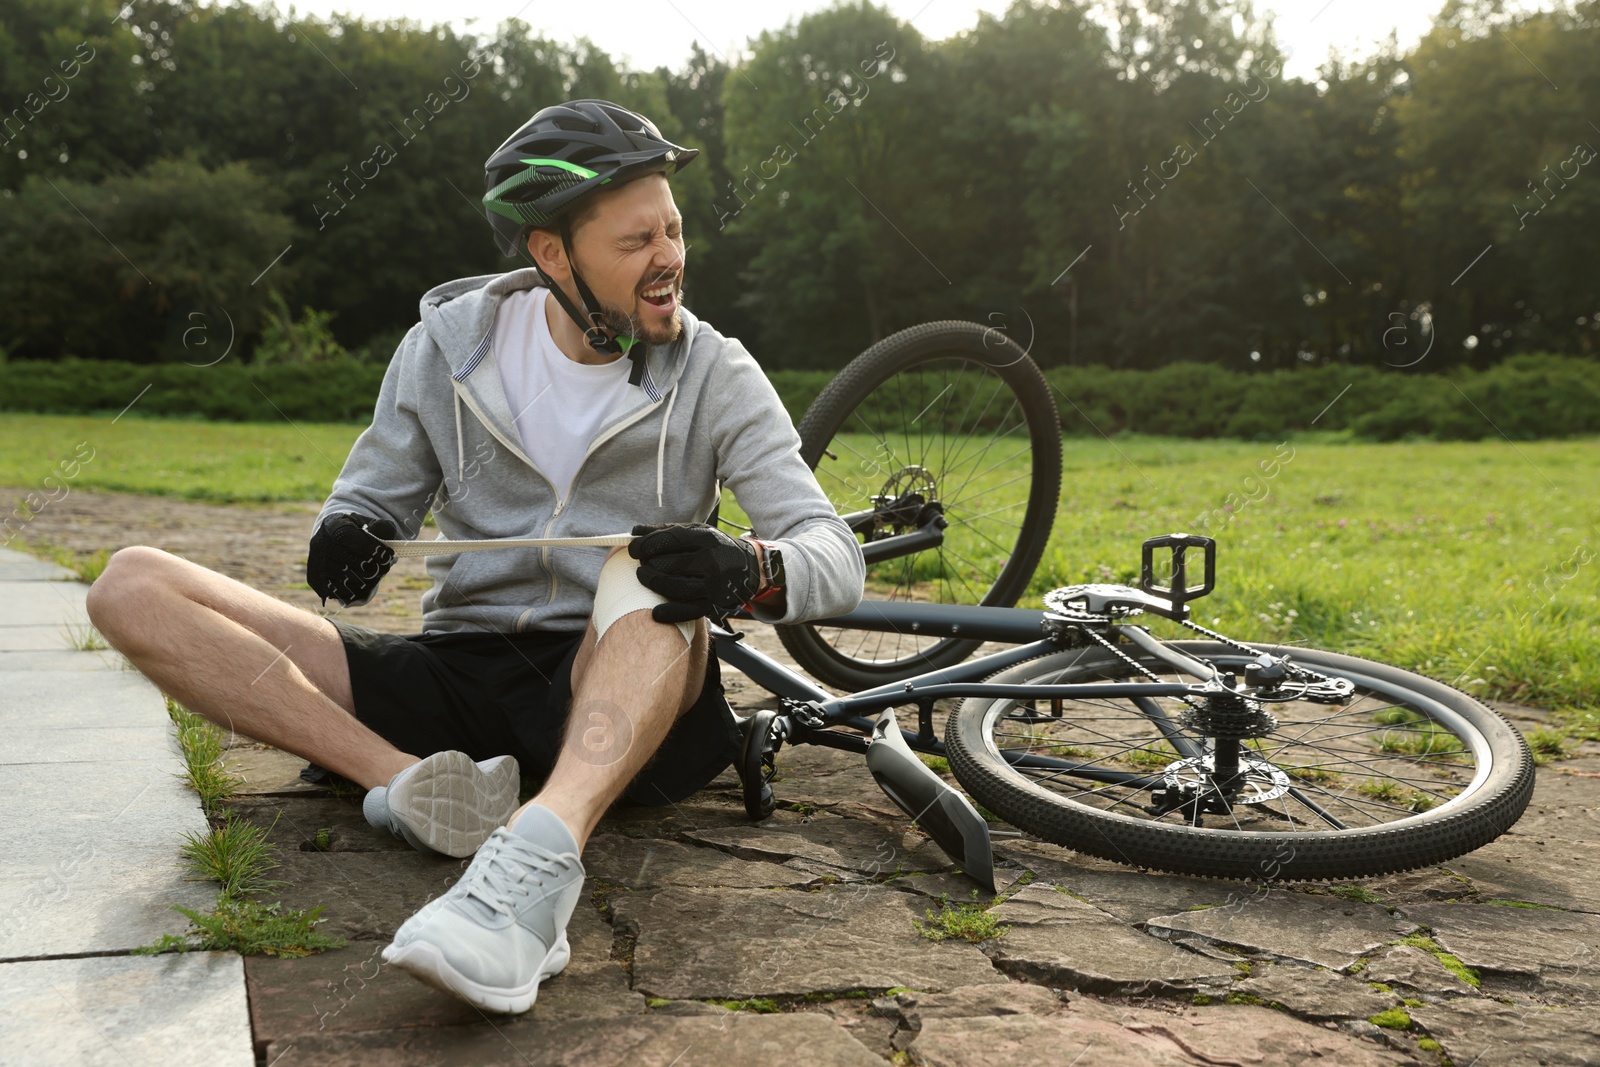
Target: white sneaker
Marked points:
446	803
502	929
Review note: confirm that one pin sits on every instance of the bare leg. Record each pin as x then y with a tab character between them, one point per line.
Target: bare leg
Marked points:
241	658
628	690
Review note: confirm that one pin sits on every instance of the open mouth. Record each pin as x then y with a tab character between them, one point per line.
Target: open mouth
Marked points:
661	296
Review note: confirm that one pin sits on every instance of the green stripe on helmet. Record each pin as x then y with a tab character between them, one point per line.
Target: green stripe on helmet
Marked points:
582	172
524	211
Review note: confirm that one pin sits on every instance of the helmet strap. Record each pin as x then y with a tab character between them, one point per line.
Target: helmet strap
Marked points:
589	321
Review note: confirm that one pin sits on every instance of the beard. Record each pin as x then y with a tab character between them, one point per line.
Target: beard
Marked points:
648	331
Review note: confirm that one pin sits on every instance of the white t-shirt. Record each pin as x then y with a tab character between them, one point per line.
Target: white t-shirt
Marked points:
558	403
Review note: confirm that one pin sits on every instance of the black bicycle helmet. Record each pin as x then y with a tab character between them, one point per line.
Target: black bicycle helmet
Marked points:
563	154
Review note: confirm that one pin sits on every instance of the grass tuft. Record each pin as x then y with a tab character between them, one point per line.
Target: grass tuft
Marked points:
1548	745
85	638
968	922
1392	1019
201	743
249	928
235	855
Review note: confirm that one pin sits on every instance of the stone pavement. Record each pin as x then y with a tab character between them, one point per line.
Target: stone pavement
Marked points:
710	940
90	831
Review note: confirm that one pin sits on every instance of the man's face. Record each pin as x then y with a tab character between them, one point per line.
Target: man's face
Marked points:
633	246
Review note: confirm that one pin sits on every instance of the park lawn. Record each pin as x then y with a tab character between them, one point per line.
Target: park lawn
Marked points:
1473	562
234	462
1476	563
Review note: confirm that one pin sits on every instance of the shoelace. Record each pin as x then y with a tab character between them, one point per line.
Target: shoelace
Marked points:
503	869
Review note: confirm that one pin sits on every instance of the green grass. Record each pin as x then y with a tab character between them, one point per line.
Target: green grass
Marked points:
1153	757
1547	745
231	462
249	928
205	771
967	922
85	638
1471	562
1477	563
235	855
85	566
1428	739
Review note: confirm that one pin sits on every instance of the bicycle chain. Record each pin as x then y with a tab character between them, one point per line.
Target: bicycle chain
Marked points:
1305	673
1111	646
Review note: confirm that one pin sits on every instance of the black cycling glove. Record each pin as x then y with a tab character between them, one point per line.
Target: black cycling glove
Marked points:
698	568
347	559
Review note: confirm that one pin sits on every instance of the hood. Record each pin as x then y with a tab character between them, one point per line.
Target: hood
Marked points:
459	317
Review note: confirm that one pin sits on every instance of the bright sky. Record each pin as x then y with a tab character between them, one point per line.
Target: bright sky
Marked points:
659	32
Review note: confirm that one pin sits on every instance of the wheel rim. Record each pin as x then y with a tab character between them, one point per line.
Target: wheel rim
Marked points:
1388	757
950	431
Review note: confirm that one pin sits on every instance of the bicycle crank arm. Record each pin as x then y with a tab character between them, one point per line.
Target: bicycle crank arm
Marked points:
939	811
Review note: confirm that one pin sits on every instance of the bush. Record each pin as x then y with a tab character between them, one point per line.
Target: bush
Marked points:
283	340
308	377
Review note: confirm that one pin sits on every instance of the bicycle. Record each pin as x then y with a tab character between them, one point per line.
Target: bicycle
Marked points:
1203	757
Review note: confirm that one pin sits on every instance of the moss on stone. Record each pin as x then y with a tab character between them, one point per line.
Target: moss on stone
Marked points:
1392	1019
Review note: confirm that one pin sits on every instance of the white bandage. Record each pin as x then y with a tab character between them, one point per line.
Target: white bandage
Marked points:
620	592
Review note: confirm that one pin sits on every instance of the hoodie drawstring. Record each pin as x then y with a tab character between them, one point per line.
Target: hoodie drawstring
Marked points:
461	464
661	445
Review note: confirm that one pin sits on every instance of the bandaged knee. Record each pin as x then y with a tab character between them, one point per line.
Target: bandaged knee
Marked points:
621	592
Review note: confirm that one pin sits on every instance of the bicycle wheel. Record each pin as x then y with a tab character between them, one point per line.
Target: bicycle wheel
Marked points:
1405	773
945	421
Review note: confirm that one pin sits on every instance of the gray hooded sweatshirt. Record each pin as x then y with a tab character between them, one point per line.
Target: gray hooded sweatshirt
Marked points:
703	416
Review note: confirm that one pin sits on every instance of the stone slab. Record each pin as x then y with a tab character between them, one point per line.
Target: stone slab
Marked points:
270	771
352	990
366	895
64	659
1067	943
651	863
93	698
36	603
171	1010
1565	807
1491	1034
91	856
729	943
33	637
865	848
1541	870
1136	896
828	778
1117	1036
1321	930
654	1040
1507	940
703	811
1314	993
1412	968
20	567
292	823
87	745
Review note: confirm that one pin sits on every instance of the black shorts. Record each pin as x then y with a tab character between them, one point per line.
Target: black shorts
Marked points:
489	694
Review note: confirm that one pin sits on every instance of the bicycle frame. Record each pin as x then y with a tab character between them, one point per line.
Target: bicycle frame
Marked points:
1012	625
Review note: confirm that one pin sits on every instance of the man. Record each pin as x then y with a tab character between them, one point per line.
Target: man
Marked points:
573	398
